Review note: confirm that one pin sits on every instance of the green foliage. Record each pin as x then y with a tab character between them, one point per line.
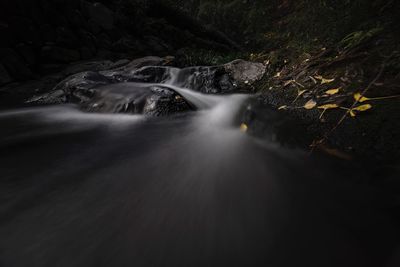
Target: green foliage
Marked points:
200	57
358	37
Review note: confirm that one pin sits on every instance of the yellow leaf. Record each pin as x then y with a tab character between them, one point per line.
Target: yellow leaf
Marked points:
323	80
359	98
244	127
332	91
282	107
362	107
310	104
352	113
328	106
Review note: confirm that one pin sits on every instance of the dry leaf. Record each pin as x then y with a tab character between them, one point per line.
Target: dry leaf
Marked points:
328	106
332	91
323	80
362	107
282	107
310	104
244	127
359	98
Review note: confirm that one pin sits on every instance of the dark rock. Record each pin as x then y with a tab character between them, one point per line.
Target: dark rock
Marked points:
135	98
7	37
14	64
4	76
24	30
27	53
101	15
245	72
67	38
103	41
96	66
124	44
59	54
93	27
36	15
146	85
48	33
86	53
76	19
156	45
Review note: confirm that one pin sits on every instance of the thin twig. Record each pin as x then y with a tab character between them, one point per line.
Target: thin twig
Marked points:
378	76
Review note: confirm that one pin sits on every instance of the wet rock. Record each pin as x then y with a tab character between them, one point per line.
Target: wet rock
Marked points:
101	15
136	98
146	85
60	54
245	72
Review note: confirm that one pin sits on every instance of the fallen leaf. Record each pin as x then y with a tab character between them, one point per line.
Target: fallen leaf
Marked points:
332	91
310	104
359	98
323	80
328	106
244	127
362	107
282	107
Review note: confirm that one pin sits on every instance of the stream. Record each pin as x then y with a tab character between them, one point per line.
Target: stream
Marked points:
189	189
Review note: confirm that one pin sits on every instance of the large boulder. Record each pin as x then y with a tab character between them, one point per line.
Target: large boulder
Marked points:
245	72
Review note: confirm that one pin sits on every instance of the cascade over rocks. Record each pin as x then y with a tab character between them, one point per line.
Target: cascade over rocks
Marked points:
147	86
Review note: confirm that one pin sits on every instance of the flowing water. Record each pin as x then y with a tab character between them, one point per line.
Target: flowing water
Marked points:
80	189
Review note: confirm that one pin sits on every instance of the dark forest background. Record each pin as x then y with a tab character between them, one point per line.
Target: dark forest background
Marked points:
39	36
